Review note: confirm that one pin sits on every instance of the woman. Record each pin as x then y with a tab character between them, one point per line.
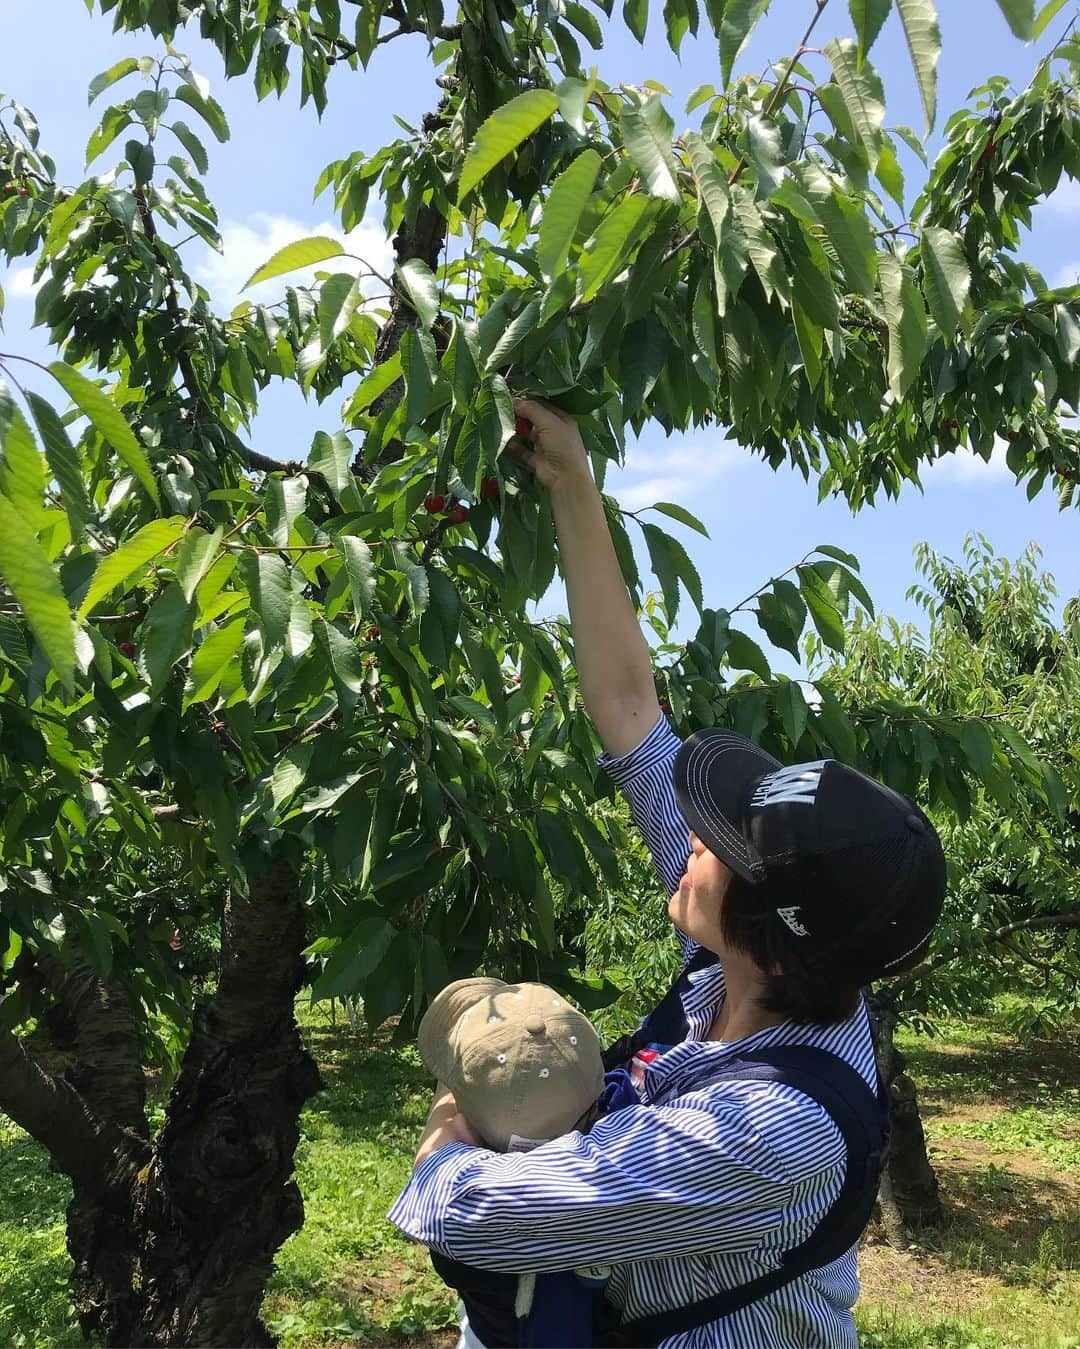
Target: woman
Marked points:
806	882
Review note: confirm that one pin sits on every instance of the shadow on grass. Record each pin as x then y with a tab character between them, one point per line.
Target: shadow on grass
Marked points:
1009	1072
1023	1229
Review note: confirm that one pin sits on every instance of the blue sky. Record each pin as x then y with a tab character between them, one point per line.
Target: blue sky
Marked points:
759	521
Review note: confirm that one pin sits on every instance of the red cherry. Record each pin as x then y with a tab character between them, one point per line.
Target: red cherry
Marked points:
665	707
434	502
128	648
24	191
1012	435
523	427
457	515
372	633
953	424
489	489
988	153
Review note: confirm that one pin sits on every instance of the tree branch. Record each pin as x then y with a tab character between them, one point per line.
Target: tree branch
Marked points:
97	1154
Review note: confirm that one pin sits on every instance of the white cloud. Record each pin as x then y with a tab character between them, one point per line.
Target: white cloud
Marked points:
21	284
674	471
247	244
1065	199
965	466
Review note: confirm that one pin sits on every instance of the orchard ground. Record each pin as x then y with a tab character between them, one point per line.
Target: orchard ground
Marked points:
1002	1117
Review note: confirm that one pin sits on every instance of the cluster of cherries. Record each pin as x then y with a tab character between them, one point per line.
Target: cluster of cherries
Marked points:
458	514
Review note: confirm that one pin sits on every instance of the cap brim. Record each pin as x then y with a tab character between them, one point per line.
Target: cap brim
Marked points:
433	1036
715	774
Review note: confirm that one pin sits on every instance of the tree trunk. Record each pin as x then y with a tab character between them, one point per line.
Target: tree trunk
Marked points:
173	1241
909	1196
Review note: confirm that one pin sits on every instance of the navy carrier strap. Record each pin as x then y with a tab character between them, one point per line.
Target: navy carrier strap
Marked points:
863	1120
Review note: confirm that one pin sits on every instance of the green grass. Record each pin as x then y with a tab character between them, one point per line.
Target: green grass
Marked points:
35	1312
1003	1127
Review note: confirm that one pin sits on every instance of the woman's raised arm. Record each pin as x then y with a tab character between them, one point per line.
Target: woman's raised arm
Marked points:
612	656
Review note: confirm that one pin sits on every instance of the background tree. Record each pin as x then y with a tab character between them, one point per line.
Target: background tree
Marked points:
308	702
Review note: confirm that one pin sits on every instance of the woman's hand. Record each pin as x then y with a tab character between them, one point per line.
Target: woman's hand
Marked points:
445	1124
558	455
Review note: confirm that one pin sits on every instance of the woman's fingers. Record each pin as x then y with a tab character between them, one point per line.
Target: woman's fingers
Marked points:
542	415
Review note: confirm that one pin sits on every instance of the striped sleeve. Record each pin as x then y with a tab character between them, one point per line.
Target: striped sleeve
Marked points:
644	775
667	1181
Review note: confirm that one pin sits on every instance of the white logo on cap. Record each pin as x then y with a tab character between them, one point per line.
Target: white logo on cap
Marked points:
788	915
797	784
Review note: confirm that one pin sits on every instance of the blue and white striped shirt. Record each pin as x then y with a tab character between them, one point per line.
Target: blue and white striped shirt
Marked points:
703	1191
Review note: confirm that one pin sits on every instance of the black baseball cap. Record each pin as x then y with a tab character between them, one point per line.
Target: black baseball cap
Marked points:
854	870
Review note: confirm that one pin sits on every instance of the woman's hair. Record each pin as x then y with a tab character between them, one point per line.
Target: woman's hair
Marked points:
797	990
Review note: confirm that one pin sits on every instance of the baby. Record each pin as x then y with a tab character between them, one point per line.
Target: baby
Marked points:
525	1066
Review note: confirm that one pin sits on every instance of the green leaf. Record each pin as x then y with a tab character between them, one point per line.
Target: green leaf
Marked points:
766	154
339	299
346	668
266	579
835	723
671	565
1020	16
868	16
743	653
978	745
194	557
823	611
502	132
573	96
711	180
646	133
357	956
360	570
945	275
64	462
793	709
606	252
864	98
439	621
781	613
847	229
212	659
332	457
421	288
116	568
905	315
1047	15
192	145
736	26
919	18
567	200
838	554
516	332
300	253
561	850
208	109
109	422
375	383
679	513
164	636
109	77
286	498
636	16
36	587
22	467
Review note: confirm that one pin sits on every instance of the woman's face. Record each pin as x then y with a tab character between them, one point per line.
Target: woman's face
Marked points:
697	904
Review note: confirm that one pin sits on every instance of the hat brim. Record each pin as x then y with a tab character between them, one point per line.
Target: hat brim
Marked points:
716	772
447	1009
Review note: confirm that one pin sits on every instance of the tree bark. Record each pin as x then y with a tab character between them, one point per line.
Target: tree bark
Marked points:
173	1241
909	1195
219	1199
